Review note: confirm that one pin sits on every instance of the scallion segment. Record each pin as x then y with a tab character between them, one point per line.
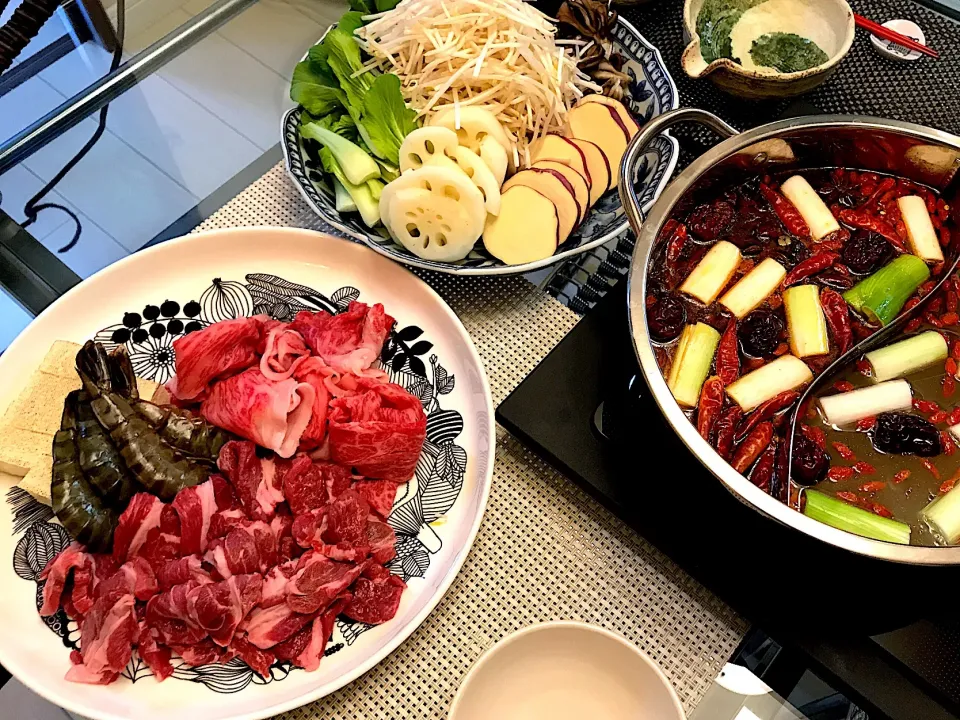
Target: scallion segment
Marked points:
907	356
692	362
920	233
846	408
713	272
766	382
805	321
942	516
881	296
844	516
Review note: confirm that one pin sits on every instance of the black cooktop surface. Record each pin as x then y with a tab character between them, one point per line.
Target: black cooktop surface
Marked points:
886	633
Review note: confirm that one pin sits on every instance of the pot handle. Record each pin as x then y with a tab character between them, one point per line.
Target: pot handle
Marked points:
628	165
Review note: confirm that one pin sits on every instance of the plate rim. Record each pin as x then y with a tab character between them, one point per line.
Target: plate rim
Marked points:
449	269
12	664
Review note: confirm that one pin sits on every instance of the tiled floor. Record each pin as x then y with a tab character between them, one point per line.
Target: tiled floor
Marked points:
171	141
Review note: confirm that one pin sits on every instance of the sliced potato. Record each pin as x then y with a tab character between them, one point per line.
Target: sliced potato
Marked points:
527	228
494	157
430	225
424	145
475	123
478	172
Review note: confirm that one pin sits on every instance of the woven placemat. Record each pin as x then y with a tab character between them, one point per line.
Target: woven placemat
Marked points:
545	551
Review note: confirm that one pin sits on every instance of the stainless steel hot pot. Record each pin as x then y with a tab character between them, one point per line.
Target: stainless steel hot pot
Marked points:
912	151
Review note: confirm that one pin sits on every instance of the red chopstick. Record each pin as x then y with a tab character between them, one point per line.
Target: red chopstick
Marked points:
894	36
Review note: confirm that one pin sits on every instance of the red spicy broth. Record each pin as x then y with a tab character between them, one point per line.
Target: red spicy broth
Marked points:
757	218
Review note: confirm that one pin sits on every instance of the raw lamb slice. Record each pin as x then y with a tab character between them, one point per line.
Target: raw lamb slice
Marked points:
195	506
378	431
375	601
318	582
219	608
379	494
141	516
56	573
349	342
182	570
265	627
271	414
258	660
155	655
107	636
285	350
214	352
316	373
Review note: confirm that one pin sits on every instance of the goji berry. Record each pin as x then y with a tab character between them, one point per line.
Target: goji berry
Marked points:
781	349
925	406
838	473
873	486
913	325
864	468
944	236
947	486
950	318
954	417
955	350
815	434
843	451
863	367
938	417
901	476
848	496
866	423
881	510
949	385
953	301
931	468
950	366
843	386
947	443
935	305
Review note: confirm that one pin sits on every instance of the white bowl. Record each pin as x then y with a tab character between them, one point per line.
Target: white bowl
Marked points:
565	671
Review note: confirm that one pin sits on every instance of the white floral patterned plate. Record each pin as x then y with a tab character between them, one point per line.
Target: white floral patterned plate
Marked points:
145	302
652	92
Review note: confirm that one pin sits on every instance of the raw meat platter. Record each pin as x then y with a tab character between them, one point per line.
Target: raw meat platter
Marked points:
271	452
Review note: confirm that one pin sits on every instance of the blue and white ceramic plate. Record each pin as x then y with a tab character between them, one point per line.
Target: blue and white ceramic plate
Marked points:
146	301
652	92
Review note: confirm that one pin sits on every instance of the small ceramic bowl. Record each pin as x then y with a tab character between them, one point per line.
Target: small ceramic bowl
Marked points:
828	23
565	671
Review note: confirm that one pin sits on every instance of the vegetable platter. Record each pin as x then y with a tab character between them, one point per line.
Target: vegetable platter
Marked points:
476	138
185	617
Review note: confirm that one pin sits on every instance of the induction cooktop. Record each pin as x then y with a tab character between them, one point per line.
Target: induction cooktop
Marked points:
887	634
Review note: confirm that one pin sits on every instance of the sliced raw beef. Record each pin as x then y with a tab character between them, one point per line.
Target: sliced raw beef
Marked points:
304	487
250	547
379	494
159	548
275	583
201	653
285	350
378	431
258	660
306	648
265	627
195	506
382	541
214	352
223	522
141	516
182	570
239	462
219	608
316	373
349	342
169	613
375	601
107	636
155	655
308	527
170	521
133	577
56	573
272	414
318	582
347	519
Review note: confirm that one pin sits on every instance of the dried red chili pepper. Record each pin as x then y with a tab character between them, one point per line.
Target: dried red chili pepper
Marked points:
901	476
780	482
873	486
866	423
789	215
865	221
763	471
728	354
864	468
931	468
837	313
677	239
711	401
887	184
838	473
843	450
725	427
811	266
766	411
755	443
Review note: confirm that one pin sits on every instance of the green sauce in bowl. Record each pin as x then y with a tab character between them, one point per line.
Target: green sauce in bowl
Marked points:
787	52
